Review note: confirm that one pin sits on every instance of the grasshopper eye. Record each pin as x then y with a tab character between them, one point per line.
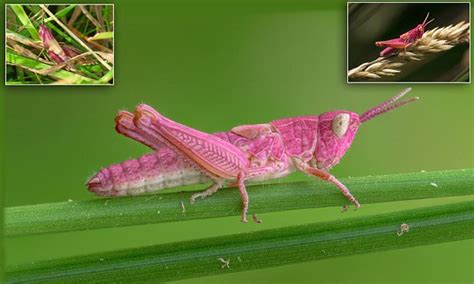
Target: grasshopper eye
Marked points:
340	123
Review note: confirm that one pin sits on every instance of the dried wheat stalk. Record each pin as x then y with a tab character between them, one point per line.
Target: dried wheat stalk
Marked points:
432	41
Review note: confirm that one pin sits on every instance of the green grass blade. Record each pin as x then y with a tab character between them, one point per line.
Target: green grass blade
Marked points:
114	212
25	20
33	8
103	35
106	78
86	71
62	13
33	65
107	15
268	248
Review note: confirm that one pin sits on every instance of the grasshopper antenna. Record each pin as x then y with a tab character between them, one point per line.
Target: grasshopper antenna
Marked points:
426	18
387	106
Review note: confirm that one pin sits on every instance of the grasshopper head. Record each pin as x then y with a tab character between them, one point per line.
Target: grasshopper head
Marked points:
421	27
337	129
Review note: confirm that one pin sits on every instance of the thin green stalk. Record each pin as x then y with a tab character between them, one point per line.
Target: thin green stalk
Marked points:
107	16
38	78
268	248
158	208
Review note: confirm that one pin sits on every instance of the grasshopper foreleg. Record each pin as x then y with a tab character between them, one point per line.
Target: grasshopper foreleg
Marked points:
330	178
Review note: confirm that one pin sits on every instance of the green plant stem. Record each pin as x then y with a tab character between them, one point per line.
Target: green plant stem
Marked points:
268	248
158	208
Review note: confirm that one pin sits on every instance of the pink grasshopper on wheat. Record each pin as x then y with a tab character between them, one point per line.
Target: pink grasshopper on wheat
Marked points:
182	155
404	40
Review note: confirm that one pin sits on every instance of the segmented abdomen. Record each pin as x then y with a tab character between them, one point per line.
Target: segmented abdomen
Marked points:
150	172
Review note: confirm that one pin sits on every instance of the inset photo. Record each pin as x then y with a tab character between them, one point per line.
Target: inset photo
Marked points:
408	42
67	44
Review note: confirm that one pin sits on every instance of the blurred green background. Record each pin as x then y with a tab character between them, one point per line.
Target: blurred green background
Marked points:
214	65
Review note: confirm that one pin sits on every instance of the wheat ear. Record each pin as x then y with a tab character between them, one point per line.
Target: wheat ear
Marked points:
432	41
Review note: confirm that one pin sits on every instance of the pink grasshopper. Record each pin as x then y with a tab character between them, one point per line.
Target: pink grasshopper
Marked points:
404	40
60	52
312	144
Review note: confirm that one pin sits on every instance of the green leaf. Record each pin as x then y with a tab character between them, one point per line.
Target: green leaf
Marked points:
103	35
127	211
267	248
25	20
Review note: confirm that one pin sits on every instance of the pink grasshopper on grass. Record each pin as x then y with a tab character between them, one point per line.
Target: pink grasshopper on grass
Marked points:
60	52
405	40
312	144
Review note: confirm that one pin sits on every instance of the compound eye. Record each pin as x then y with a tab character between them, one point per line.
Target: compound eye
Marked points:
340	123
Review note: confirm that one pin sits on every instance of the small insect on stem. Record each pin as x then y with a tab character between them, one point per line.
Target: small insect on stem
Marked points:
404	228
183	209
225	262
405	39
